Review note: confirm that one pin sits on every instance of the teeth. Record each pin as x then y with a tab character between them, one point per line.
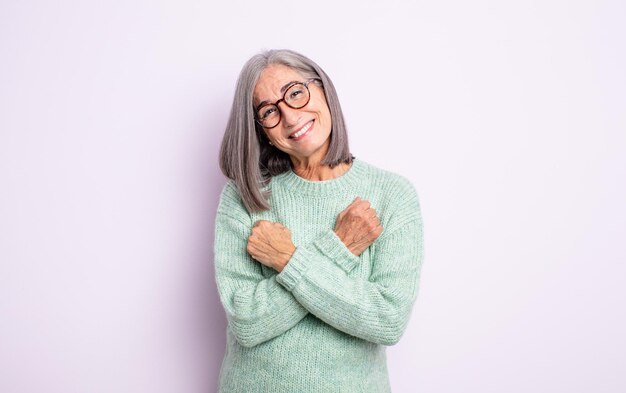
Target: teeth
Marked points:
302	131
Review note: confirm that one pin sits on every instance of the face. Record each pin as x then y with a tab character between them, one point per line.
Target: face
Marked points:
314	118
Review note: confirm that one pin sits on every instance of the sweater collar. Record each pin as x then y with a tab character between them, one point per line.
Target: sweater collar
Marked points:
345	183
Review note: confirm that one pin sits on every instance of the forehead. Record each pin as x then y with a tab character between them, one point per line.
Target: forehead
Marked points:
272	79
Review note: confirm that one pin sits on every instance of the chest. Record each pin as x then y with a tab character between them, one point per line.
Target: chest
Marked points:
306	218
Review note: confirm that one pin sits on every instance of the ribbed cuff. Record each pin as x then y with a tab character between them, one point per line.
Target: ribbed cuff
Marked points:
328	246
295	268
331	245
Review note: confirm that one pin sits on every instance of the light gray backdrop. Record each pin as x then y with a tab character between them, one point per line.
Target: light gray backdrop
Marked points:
507	116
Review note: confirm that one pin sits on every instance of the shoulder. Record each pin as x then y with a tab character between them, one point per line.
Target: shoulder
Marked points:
231	204
398	189
229	191
397	194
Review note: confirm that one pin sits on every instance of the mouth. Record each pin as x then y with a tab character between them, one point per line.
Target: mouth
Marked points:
302	132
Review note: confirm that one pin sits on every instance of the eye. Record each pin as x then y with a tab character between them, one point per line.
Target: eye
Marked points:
266	112
295	93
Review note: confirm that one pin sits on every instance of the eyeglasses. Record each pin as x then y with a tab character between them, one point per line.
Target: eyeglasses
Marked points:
296	96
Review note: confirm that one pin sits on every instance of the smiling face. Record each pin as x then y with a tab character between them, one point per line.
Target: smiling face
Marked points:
314	118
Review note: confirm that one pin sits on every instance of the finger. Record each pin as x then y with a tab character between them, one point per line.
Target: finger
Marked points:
363	213
369	212
257	252
356	201
253	241
355	204
252	250
361	205
280	228
376	232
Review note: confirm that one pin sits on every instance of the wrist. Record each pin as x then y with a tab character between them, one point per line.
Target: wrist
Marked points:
348	246
285	260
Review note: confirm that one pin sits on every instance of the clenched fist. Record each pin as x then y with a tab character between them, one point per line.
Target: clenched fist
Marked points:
358	226
270	243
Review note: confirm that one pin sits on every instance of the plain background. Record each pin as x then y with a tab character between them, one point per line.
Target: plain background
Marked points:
507	116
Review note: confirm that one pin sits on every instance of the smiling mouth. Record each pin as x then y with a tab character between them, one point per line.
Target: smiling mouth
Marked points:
302	130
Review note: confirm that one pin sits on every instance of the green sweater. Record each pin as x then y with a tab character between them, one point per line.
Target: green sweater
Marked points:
323	323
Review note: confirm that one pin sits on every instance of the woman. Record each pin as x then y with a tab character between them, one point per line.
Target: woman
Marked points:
317	253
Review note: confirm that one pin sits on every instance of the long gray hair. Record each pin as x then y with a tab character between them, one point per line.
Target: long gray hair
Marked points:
246	156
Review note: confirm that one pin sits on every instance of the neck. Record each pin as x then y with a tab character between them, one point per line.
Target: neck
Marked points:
315	171
311	168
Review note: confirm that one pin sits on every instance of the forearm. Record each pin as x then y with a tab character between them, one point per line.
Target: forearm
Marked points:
375	309
262	312
257	308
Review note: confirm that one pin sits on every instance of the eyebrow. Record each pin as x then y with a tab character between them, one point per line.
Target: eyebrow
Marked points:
282	91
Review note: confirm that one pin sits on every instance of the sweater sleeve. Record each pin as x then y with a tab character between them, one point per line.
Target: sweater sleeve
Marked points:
378	308
257	308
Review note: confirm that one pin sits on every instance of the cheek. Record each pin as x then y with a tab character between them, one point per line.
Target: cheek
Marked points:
328	117
324	111
275	132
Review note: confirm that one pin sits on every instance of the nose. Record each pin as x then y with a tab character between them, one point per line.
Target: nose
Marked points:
291	117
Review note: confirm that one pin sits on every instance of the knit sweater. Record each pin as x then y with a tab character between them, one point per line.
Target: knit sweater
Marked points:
323	323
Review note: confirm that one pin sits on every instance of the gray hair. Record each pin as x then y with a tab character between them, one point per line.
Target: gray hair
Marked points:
246	157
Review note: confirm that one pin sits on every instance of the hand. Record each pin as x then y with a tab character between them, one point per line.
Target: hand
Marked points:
358	226
270	243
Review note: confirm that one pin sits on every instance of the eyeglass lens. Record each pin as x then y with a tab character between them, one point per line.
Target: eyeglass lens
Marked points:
296	97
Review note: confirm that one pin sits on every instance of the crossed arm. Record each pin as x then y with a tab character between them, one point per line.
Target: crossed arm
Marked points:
316	279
